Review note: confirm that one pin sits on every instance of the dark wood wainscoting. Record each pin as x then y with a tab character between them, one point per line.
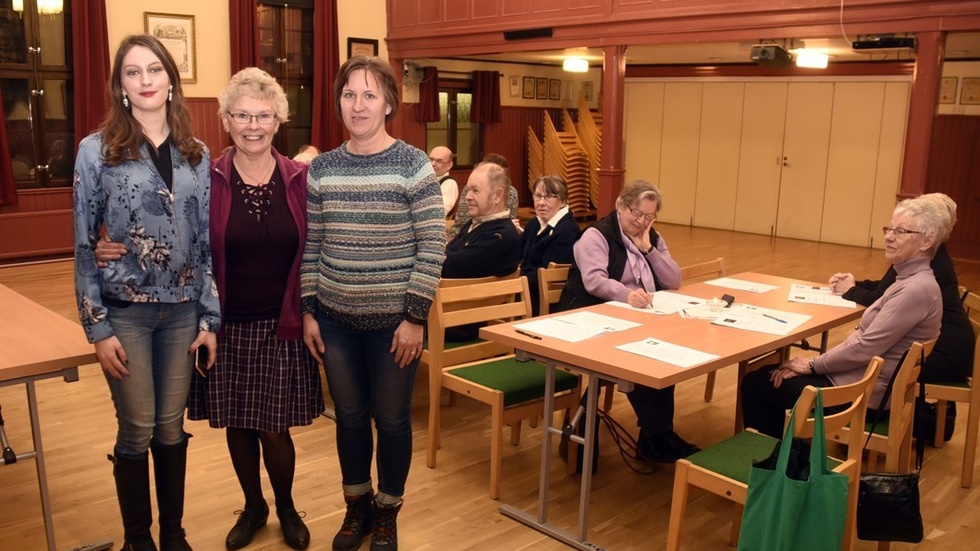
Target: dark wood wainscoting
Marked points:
954	169
207	124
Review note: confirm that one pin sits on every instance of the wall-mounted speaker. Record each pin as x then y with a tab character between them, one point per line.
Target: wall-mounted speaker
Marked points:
543	32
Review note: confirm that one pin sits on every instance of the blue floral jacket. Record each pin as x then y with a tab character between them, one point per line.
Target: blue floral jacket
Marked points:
166	235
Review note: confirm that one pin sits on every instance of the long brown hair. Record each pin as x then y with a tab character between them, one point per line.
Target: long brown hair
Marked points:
122	133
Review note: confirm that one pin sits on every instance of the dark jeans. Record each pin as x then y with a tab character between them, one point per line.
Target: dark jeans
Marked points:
365	383
764	406
654	408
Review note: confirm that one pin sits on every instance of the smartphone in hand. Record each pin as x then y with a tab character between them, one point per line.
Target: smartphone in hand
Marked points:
201	364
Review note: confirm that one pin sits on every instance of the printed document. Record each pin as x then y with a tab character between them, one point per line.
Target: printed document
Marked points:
812	294
673	354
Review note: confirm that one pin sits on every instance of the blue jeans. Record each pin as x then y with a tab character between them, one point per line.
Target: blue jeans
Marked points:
366	382
150	402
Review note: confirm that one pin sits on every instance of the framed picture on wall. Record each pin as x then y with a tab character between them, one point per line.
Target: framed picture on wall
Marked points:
970	92
542	89
947	90
554	89
176	33
587	90
528	88
367	47
515	86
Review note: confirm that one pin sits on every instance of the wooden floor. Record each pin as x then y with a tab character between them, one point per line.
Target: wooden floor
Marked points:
446	508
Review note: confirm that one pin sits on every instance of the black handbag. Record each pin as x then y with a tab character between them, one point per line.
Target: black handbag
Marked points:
888	503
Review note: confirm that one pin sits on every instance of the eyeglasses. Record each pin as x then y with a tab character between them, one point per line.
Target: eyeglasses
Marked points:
899	232
544	197
245	118
440	161
640	215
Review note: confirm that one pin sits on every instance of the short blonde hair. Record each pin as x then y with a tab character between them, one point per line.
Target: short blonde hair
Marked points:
254	83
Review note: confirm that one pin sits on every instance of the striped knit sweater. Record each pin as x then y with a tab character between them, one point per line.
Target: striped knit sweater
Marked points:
376	237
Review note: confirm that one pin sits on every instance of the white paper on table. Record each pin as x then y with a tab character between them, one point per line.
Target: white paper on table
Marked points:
811	294
556	329
741	285
576	326
702	311
762	320
664	303
665	352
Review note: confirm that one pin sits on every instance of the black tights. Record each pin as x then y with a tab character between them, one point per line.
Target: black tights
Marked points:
280	462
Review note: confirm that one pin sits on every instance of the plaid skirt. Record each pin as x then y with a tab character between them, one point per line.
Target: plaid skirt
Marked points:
258	382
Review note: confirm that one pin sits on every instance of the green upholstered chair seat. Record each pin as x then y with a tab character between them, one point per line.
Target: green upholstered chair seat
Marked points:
450	345
518	381
957	384
733	456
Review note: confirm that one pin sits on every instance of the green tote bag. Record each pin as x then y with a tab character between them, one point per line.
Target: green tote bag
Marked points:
782	514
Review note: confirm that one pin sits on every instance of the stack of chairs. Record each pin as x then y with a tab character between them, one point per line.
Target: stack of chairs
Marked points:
565	156
590	134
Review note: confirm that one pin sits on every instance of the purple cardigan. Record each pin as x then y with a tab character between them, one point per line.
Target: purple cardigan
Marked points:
294	176
909	311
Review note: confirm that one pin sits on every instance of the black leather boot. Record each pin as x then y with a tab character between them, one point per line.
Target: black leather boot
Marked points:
385	534
133	491
170	469
357	522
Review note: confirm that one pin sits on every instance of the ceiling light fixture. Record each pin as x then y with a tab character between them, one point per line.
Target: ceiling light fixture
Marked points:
811	59
575	65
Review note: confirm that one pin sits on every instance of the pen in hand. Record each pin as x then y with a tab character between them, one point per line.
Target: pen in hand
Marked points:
526	334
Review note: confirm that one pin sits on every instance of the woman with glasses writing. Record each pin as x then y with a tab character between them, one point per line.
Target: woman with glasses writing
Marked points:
908	311
622	257
550	235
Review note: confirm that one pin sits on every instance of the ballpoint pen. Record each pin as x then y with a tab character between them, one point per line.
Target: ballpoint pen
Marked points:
774	318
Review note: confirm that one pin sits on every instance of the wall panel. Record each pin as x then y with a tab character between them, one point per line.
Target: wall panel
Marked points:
207	124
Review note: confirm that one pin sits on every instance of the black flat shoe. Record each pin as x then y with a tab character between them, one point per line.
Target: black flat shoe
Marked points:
294	532
249	522
666	447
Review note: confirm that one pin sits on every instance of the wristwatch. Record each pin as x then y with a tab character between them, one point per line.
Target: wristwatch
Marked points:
810	367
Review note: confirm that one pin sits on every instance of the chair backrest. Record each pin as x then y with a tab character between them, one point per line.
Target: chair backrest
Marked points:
704	270
854	395
901	409
469	304
551	281
971	303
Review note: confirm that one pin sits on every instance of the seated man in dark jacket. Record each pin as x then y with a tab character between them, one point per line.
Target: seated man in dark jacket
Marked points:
488	244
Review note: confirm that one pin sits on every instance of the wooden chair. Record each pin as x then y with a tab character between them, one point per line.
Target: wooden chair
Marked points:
962	391
551	281
893	434
513	390
723	468
699	272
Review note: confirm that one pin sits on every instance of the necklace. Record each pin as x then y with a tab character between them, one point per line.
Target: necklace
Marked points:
257	181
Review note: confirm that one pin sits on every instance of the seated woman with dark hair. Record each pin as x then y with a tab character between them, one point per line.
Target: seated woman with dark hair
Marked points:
909	310
550	235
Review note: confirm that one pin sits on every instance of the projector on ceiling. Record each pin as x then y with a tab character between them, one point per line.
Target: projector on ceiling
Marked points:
770	54
884	43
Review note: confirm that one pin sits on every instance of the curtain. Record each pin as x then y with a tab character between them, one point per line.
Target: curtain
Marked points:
327	128
90	59
486	96
244	33
428	110
8	189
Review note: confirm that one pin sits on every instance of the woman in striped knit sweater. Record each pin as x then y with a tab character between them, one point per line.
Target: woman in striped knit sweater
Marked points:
372	262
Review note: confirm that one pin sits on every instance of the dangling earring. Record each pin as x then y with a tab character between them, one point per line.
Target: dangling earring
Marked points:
125	101
170	93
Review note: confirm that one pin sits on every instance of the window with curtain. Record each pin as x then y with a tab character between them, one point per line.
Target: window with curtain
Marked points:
37	87
285	34
454	129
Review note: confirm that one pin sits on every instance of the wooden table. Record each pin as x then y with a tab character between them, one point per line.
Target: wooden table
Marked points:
600	360
40	344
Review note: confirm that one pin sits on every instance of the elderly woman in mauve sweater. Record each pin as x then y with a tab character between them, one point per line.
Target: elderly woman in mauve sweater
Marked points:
910	310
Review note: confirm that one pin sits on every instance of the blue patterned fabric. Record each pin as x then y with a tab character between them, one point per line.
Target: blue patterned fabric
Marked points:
166	235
